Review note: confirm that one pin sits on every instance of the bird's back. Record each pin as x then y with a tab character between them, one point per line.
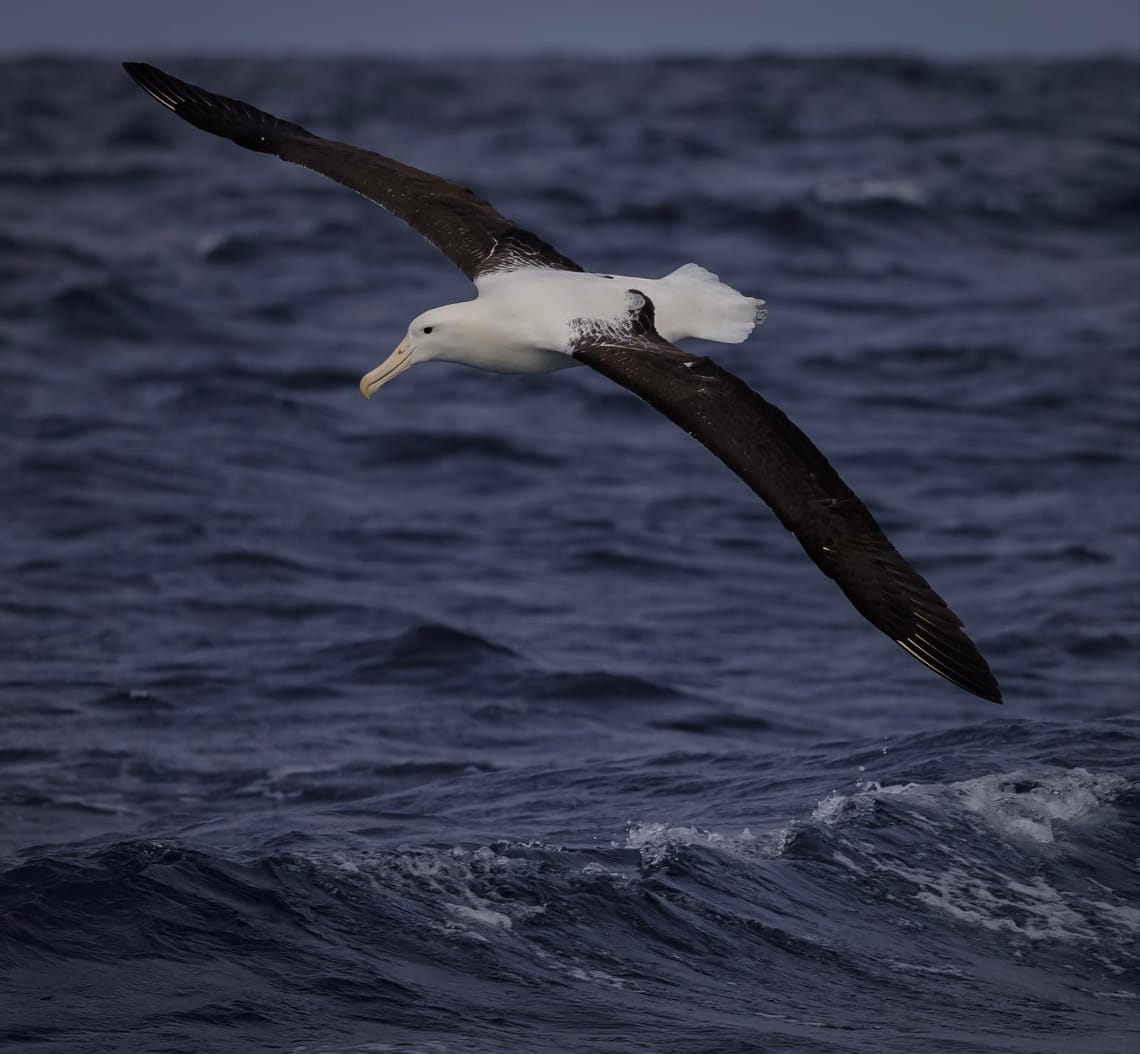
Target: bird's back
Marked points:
689	302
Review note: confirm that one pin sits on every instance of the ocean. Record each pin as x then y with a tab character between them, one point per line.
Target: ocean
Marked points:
493	714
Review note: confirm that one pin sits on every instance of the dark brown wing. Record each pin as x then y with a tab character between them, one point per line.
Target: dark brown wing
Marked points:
754	439
466	229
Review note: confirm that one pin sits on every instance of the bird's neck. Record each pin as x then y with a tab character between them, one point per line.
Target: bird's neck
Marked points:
490	336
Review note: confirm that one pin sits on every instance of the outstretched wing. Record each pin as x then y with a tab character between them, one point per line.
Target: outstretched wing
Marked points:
766	450
466	229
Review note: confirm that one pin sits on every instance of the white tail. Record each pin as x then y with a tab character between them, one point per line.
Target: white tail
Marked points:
711	310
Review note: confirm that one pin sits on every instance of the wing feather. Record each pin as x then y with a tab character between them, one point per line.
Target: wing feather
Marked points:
469	231
777	460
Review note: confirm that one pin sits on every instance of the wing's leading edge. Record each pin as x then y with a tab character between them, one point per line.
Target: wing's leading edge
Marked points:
469	231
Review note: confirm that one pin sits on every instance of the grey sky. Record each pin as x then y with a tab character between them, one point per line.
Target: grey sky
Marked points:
146	28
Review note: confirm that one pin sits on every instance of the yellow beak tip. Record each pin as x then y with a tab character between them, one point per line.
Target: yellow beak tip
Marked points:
395	363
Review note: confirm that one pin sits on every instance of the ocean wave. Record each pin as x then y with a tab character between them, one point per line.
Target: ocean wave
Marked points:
1020	805
995	854
108	308
432	645
691	894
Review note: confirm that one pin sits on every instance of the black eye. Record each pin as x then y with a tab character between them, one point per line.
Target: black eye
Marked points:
428	329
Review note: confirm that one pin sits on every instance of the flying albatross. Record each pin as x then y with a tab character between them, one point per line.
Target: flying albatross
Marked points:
537	311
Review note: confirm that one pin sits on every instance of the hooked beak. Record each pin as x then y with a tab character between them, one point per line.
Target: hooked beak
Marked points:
395	363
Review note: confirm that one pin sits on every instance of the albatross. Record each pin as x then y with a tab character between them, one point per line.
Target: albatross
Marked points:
537	311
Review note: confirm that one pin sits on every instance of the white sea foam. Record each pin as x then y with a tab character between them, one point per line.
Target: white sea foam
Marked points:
469	897
1035	910
460	883
1023	806
484	916
655	841
1027	809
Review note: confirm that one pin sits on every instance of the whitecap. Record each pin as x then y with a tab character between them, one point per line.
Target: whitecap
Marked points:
656	841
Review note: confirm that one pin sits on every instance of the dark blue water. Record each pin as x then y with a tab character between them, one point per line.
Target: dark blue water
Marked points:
493	714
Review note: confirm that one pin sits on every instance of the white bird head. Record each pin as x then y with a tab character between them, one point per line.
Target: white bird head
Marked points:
441	333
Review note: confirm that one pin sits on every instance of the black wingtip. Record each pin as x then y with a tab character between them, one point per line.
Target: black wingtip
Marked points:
956	658
217	114
140	71
151	79
988	690
992	693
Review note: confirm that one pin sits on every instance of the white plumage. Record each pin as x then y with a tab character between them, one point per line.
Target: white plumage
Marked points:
524	321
